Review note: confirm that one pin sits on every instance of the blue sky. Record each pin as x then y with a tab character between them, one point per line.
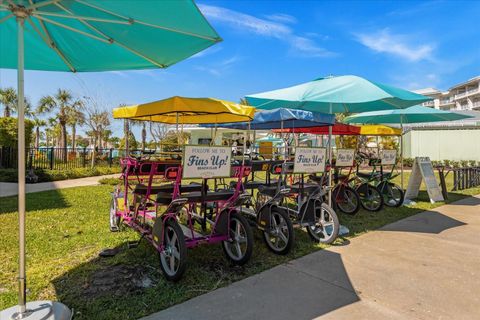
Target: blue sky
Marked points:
273	44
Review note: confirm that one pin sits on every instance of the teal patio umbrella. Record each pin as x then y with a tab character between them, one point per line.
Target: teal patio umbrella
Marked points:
414	114
337	95
89	35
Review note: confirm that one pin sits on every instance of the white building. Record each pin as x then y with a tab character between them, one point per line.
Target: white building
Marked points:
463	96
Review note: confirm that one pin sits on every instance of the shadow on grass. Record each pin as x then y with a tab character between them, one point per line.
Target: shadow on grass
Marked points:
52	199
130	284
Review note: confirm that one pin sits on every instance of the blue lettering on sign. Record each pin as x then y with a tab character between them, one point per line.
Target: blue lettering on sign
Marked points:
303	159
216	161
317	159
195	160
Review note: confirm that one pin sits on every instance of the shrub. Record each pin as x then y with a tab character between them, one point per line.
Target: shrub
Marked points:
472	163
44	175
9	129
464	163
446	163
408	162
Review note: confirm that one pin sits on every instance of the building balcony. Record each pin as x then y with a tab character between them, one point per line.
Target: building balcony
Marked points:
429	104
476	105
467	93
445	102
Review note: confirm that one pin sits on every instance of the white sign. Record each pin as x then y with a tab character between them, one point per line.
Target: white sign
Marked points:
423	170
206	162
345	157
388	157
309	160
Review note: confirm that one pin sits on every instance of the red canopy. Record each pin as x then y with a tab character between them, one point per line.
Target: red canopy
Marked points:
339	129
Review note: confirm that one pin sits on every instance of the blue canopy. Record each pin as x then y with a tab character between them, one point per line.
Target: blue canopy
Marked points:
291	118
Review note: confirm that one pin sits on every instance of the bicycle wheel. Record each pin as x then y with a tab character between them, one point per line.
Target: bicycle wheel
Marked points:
239	247
325	229
279	237
346	199
173	257
370	197
393	195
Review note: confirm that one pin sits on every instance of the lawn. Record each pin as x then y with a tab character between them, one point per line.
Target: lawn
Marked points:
66	229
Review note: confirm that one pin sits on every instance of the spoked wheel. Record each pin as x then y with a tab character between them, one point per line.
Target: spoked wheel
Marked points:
115	219
280	236
346	199
326	226
238	248
393	195
173	257
370	197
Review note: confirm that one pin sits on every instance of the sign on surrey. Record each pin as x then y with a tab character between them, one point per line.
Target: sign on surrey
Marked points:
345	157
388	157
206	162
309	160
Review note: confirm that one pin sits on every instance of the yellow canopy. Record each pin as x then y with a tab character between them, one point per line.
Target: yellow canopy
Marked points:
187	111
379	130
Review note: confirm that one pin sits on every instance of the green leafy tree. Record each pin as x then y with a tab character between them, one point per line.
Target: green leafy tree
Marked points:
75	118
60	103
8	98
9	132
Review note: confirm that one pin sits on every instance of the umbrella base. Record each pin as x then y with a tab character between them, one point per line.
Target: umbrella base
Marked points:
38	310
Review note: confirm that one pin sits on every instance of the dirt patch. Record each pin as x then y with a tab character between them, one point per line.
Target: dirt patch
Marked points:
117	280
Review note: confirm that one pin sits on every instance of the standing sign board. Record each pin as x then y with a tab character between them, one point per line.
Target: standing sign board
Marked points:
309	160
388	157
345	157
423	170
207	162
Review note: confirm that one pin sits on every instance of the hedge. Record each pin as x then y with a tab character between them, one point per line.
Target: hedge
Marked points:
44	175
9	129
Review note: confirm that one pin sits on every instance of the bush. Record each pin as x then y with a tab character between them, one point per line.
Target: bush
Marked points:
9	129
44	175
473	163
408	162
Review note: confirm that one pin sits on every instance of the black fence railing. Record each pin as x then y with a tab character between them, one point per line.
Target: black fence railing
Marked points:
61	158
465	178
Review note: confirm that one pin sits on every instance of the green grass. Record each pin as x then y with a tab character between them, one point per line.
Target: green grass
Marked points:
66	229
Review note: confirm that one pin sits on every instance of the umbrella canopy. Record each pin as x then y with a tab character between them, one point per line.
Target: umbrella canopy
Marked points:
284	118
337	94
339	129
98	35
379	130
413	114
184	110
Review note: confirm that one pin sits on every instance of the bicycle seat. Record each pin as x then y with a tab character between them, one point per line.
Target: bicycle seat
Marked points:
307	187
364	175
142	189
270	191
250	185
196	196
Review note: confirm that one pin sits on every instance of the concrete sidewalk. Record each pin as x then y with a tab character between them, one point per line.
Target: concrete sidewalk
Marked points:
424	267
11	189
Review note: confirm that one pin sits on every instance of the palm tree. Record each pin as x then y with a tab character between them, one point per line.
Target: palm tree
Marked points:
75	117
37	122
61	102
8	98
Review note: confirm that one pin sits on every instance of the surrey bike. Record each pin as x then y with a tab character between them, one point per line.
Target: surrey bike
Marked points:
155	211
265	211
304	203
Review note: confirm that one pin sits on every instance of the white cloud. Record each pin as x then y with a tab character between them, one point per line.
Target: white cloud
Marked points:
384	41
208	51
267	28
220	67
281	17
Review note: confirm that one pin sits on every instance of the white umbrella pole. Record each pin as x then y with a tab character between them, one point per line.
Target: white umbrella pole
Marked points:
21	169
330	160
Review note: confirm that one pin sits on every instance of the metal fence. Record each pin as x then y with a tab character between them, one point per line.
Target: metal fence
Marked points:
61	158
464	178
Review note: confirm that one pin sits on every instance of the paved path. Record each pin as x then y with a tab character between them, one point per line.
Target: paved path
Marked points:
11	189
424	267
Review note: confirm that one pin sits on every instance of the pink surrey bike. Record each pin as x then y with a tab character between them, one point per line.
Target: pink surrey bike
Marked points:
173	216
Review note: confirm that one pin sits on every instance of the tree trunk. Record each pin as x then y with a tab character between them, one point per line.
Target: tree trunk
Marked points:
6	112
93	150
74	132
63	141
37	137
144	136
